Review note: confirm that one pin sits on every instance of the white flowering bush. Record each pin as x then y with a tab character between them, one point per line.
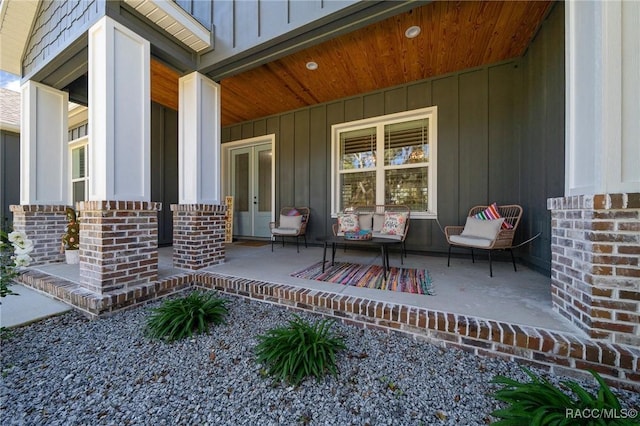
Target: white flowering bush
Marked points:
15	249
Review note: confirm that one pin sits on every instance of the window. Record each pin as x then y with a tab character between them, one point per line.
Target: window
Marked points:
79	169
386	160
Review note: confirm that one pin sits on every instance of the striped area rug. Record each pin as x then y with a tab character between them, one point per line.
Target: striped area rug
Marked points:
409	280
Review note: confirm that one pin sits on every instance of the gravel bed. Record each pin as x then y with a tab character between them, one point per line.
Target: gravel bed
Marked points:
68	370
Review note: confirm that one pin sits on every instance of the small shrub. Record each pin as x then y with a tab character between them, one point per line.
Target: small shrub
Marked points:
539	402
299	350
179	318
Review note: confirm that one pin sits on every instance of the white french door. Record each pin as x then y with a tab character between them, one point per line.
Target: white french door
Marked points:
251	179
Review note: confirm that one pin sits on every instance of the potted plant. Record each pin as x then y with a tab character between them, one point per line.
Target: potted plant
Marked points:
71	238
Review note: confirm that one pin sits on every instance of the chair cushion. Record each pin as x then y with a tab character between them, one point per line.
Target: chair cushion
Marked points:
480	228
394	223
290	222
293	212
285	231
348	222
492	213
470	241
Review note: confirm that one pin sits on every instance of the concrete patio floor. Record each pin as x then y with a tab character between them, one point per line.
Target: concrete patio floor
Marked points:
521	297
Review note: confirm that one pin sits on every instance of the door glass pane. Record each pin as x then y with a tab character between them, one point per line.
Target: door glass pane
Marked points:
264	181
358	149
406	143
357	189
241	182
408	187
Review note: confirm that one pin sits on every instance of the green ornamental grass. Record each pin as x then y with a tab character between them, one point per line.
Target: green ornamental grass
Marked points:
539	402
299	350
179	318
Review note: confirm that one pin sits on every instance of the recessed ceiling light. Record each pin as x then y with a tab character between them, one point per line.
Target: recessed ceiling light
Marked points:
312	66
412	32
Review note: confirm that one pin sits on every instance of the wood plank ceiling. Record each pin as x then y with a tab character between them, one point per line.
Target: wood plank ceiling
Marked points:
455	36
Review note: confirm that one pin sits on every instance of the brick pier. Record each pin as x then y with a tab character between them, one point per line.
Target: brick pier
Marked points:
198	235
44	225
595	270
118	245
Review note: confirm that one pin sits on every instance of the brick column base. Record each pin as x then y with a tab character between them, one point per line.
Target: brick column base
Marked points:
118	244
44	225
198	235
595	265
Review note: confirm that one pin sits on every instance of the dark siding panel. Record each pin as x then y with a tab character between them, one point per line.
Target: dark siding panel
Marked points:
373	105
260	128
353	110
273	127
286	159
247	130
157	154
170	195
164	167
541	109
9	175
336	114
419	95
474	146
395	100
236	132
225	134
503	145
319	169
445	96
301	158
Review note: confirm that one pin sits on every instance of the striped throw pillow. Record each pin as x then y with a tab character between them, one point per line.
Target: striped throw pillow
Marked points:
491	213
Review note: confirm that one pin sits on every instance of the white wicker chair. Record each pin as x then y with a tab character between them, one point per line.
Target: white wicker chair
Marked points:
502	241
292	223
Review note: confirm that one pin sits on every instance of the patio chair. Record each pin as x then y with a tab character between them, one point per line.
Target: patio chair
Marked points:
488	228
292	223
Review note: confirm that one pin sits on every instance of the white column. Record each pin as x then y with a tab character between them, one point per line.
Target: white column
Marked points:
43	145
198	140
119	114
602	92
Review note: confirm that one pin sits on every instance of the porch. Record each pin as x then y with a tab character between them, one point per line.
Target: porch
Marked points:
465	288
509	315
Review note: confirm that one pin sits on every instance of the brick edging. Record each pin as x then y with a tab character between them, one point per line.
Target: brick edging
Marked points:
557	352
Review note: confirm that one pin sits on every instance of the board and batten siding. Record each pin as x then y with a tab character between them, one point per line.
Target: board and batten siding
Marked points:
500	139
541	120
164	166
303	144
9	176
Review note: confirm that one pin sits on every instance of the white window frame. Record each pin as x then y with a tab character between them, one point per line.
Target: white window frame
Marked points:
430	113
74	144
